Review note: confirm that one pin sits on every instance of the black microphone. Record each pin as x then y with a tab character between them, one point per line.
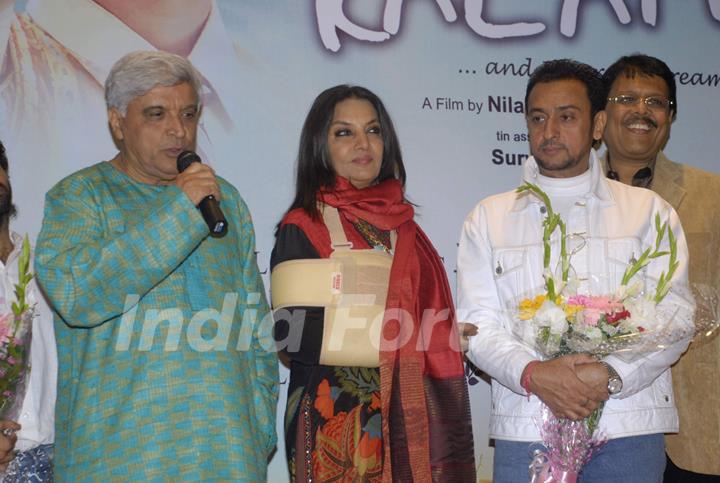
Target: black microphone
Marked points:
209	206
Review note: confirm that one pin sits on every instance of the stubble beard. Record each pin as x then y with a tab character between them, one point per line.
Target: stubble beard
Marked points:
7	208
545	167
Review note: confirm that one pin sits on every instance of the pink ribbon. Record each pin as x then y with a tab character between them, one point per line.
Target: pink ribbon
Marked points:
541	471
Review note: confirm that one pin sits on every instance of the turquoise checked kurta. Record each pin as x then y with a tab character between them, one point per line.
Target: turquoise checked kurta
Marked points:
167	367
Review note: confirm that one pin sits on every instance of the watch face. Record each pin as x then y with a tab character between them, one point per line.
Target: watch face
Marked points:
614	385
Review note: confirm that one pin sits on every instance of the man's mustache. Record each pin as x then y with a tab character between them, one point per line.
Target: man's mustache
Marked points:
552	144
640	118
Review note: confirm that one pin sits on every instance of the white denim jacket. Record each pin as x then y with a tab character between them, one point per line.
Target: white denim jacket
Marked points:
500	261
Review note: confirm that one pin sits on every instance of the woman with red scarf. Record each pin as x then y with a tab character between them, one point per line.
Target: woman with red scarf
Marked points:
406	416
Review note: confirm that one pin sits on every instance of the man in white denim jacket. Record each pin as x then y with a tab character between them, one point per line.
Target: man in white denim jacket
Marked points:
500	261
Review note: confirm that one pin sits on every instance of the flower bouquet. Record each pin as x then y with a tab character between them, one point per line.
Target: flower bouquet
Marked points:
15	337
592	316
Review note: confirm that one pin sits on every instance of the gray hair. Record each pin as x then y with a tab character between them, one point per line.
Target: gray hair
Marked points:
137	73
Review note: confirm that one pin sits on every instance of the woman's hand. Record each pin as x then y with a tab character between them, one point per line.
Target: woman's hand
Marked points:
466	331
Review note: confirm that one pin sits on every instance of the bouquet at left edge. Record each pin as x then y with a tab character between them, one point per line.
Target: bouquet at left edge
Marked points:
15	338
627	322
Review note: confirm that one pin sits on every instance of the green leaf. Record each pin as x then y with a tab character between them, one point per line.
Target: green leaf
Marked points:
660	229
673	245
659	254
24	278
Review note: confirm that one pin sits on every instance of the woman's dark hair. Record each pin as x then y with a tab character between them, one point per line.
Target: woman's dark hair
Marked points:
314	168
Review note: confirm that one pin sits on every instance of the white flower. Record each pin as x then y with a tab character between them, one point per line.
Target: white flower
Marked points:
643	312
591	332
550	315
571	287
610	330
585	338
627	291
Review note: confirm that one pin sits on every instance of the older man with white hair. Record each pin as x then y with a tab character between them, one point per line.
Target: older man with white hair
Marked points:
163	372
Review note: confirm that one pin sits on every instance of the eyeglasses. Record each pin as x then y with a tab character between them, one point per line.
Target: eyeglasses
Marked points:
653	102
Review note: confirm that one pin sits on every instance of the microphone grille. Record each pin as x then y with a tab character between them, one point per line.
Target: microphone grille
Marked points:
185	159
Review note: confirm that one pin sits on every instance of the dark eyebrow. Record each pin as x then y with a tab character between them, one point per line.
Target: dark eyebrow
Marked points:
151	108
569	106
637	94
345	123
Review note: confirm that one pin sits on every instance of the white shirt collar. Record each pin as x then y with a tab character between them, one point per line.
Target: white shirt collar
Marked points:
17	241
9	272
566	187
599	188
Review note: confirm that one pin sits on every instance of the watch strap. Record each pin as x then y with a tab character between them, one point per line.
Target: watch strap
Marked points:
613	376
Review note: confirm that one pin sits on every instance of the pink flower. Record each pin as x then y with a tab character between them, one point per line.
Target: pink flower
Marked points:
6	329
581	300
591	316
11	360
605	304
595	307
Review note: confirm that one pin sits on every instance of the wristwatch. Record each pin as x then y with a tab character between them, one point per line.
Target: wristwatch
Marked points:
615	383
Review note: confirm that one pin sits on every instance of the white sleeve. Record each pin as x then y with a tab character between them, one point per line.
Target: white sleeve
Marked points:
494	349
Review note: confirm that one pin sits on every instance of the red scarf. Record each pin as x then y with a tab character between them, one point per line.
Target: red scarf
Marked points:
424	398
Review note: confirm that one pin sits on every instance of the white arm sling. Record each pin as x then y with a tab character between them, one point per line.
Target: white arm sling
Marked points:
352	287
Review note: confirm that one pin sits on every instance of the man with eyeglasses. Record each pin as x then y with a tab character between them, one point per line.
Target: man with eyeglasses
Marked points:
641	107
